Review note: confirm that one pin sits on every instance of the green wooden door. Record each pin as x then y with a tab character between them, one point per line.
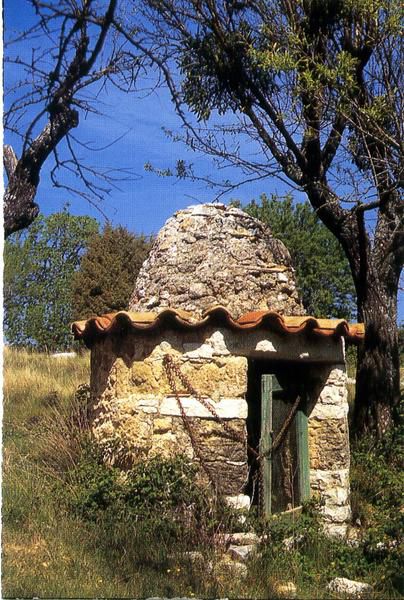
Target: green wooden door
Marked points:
285	471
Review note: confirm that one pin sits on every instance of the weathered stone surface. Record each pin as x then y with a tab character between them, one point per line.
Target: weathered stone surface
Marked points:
216	378
333	488
169	444
123	436
226	408
328	448
210	254
240	553
239	502
148	378
357	589
335	530
162	425
335	391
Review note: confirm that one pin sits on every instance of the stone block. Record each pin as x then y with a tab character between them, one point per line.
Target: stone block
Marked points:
321	480
336	514
226	408
333	488
241	539
239	502
121	375
123	436
148	377
227	570
349	587
162	425
329	411
328	443
226	377
285	590
240	553
147	405
169	444
197	350
336	530
210	377
230	477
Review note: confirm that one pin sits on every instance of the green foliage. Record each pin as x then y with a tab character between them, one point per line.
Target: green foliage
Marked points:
39	265
161	493
377	485
296	548
377	482
94	486
162	485
322	269
108	271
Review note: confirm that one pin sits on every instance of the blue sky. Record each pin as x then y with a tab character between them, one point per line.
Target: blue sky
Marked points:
142	205
146	202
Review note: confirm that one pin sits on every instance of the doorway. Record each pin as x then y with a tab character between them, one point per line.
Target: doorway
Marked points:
277	428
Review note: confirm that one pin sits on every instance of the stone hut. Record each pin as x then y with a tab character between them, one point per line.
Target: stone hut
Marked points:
216	360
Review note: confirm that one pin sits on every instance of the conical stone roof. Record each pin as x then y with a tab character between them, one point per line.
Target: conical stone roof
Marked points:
211	254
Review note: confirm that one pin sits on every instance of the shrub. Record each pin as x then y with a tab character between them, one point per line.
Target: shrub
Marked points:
94	486
161	494
377	481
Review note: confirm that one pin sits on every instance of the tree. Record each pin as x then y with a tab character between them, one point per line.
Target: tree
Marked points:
108	271
322	269
310	91
38	272
71	50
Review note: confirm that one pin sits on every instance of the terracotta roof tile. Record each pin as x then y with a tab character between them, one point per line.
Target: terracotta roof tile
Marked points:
95	327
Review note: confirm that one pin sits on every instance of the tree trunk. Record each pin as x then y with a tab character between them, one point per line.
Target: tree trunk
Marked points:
378	370
19	207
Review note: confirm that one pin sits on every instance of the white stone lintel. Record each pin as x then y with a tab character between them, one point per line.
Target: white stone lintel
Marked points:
323	412
226	408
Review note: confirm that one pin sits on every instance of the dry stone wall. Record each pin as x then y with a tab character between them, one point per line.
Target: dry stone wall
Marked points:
329	448
211	254
136	415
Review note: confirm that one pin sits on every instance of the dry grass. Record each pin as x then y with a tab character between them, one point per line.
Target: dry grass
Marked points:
33	381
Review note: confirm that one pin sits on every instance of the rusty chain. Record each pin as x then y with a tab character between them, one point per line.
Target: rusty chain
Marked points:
187	421
172	369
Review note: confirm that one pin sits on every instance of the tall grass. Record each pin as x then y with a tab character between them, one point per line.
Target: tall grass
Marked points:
73	527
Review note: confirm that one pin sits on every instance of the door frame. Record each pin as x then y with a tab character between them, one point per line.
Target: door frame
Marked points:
270	384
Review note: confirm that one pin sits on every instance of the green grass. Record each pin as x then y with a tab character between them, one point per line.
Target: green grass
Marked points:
74	527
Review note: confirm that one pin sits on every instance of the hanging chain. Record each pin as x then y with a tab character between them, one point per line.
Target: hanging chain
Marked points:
171	369
170	365
187	422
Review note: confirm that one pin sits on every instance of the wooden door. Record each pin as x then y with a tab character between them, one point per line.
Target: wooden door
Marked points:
285	469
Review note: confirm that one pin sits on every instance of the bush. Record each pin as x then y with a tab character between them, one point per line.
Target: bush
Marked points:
94	487
377	482
161	494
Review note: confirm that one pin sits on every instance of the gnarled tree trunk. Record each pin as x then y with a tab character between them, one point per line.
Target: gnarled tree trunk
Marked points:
378	370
